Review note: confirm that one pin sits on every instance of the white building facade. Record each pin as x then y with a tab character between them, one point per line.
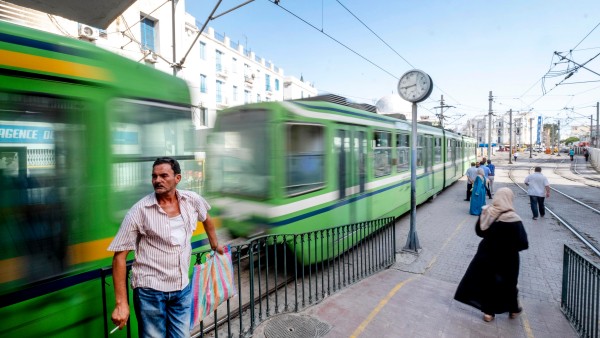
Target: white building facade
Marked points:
220	72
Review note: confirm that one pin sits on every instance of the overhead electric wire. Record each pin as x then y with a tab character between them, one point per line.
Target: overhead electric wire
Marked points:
334	39
367	27
588	34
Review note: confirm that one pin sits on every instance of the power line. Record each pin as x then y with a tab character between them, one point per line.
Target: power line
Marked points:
588	34
334	39
367	27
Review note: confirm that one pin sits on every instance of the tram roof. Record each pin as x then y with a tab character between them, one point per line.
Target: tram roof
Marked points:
90	12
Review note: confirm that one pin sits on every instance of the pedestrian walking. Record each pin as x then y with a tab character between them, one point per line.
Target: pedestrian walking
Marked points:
491	176
159	229
538	188
486	174
478	194
571	153
515	156
471	174
586	154
490	282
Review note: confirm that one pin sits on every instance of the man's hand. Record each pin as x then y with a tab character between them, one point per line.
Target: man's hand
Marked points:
120	315
220	249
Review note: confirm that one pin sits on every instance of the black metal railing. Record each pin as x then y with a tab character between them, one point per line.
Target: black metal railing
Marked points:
580	301
288	272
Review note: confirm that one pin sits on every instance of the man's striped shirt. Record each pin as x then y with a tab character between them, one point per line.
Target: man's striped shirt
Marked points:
159	263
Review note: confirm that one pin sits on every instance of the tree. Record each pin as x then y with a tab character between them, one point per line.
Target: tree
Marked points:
570	140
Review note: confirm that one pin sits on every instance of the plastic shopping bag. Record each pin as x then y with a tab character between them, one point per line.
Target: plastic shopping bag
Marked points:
212	284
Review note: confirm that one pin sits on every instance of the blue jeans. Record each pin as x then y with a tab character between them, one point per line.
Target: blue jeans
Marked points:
163	314
537	201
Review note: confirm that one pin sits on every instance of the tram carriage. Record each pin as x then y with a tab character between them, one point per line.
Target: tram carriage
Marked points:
79	130
299	166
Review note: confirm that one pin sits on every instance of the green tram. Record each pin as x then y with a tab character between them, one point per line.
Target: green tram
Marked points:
79	130
299	166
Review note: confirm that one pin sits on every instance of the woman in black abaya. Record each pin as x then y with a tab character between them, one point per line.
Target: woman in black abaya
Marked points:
490	282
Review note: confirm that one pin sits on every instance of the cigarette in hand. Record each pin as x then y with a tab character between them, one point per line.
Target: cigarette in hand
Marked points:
114	330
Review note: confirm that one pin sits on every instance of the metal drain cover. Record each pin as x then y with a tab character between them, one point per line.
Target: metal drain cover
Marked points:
295	326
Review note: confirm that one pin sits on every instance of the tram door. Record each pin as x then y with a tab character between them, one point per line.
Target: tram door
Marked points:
351	151
428	162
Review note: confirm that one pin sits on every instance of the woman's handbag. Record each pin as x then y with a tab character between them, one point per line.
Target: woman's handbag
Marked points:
212	284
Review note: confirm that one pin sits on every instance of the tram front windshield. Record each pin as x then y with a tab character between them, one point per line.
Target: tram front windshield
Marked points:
238	155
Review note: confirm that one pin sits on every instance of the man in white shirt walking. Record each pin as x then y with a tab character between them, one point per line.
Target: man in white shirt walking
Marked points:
538	188
159	229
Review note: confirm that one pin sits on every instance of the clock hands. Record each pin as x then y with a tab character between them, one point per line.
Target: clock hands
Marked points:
412	85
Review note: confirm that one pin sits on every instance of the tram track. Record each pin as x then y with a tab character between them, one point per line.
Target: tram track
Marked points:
570	211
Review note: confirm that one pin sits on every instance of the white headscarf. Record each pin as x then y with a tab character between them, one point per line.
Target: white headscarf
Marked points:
501	209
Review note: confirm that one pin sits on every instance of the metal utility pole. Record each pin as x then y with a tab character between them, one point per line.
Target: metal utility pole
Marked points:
441	115
510	136
490	129
591	126
597	127
412	241
530	136
558	139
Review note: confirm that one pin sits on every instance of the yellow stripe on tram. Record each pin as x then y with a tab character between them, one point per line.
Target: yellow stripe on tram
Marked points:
49	65
12	269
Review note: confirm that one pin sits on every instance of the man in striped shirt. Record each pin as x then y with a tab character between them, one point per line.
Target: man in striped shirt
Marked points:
159	229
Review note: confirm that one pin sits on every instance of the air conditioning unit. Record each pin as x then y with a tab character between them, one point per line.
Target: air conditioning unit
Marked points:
88	32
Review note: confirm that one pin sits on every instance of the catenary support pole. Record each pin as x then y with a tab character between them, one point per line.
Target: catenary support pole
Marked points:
510	136
489	150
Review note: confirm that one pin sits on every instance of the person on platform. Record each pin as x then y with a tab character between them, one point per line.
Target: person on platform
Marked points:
586	154
491	176
571	153
486	173
159	229
538	188
515	156
471	174
478	194
490	282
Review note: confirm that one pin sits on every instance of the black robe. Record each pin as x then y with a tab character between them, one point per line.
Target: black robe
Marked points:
490	283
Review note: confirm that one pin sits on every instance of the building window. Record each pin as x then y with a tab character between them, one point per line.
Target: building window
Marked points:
148	32
258	98
202	51
267	82
246	96
202	83
203	117
234	65
235	93
277	84
219	60
219	95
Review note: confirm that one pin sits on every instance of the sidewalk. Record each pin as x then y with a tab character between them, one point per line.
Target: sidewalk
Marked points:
414	298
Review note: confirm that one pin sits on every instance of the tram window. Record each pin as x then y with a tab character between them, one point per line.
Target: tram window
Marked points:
141	131
437	150
305	151
420	151
382	148
240	153
403	149
42	171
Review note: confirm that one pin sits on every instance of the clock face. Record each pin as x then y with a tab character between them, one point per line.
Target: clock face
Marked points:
415	86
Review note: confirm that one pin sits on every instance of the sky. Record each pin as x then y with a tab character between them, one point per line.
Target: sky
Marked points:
359	49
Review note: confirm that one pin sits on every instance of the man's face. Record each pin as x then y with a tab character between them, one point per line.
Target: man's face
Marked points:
164	179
